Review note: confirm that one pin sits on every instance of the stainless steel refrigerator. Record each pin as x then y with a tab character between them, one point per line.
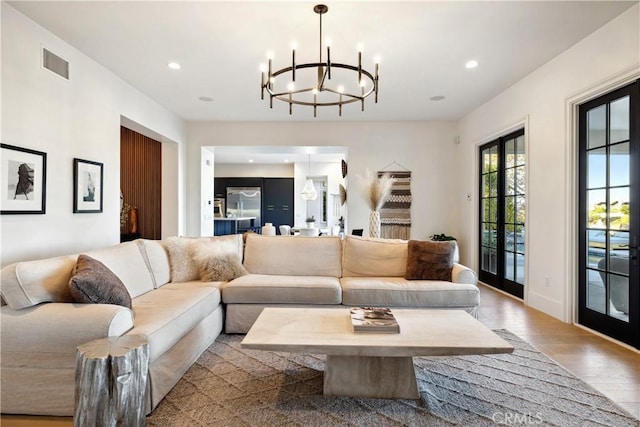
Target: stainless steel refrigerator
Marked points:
243	202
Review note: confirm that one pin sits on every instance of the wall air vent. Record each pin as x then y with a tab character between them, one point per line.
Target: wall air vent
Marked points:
53	62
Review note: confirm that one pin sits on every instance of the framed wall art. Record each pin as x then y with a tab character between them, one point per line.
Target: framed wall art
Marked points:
87	186
23	183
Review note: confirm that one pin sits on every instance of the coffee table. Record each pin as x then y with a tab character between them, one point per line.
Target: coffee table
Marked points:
372	365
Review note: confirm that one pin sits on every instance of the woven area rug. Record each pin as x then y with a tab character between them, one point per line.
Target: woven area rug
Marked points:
230	386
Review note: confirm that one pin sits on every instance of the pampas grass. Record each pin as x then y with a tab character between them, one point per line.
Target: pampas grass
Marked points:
375	190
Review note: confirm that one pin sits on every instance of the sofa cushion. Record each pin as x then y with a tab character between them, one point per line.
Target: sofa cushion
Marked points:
126	262
429	260
183	252
164	316
29	283
374	257
262	288
92	282
157	260
293	255
220	268
399	292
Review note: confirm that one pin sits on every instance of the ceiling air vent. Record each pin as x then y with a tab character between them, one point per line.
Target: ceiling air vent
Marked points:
53	62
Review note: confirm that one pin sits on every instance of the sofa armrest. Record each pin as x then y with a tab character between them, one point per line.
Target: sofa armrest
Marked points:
463	274
61	327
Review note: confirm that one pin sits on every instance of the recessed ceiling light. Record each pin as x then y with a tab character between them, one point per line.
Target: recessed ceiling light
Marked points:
437	98
205	99
250	160
174	65
286	160
471	64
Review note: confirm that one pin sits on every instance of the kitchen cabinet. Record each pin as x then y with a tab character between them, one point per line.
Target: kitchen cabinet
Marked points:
277	201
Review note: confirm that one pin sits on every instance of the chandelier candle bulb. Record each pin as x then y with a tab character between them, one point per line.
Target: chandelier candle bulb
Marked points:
293	64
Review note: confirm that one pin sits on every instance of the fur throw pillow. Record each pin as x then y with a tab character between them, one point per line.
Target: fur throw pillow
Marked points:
428	260
183	267
92	282
221	268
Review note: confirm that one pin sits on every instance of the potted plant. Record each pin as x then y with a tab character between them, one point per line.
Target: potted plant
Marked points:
444	238
311	221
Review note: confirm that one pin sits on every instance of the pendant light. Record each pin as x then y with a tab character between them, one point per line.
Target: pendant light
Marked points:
309	190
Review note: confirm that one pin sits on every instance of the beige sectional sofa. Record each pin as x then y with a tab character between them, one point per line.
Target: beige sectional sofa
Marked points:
292	271
41	326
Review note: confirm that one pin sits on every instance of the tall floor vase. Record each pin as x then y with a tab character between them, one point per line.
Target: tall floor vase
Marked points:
374	224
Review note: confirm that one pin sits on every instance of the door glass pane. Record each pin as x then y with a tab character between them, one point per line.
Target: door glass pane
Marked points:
510	182
520	268
520	238
509	209
485	185
493	151
619	208
519	178
619	164
619	120
619	297
597	168
596	293
486	161
596	209
596	126
510	153
509	266
493	209
493	184
509	238
485	258
619	252
520	150
596	248
520	209
493	257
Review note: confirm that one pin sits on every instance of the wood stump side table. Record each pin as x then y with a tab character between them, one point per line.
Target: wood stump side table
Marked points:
111	382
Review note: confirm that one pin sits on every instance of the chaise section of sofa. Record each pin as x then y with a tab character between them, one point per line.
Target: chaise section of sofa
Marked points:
41	326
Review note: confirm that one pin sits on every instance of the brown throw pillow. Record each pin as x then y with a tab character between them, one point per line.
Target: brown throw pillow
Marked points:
92	282
221	268
429	260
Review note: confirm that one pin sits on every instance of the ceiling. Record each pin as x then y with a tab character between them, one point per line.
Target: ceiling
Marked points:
423	48
274	154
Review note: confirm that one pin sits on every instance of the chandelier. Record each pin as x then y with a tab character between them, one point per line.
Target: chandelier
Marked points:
309	84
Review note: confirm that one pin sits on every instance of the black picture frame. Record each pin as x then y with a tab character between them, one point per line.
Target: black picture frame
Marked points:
24	181
88	181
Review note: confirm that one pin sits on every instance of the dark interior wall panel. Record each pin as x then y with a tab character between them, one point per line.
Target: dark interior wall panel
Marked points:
141	179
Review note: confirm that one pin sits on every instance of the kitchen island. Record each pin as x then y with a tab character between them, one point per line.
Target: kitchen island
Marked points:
234	225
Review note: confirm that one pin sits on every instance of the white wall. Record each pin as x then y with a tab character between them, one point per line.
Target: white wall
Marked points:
426	148
254	170
80	118
542	98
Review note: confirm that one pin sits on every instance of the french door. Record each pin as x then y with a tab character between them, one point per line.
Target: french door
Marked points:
502	213
609	209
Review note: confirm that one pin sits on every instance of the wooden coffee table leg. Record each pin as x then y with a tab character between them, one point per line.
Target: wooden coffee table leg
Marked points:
367	376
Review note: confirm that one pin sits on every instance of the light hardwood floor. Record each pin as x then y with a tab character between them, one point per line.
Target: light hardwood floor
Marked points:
606	366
